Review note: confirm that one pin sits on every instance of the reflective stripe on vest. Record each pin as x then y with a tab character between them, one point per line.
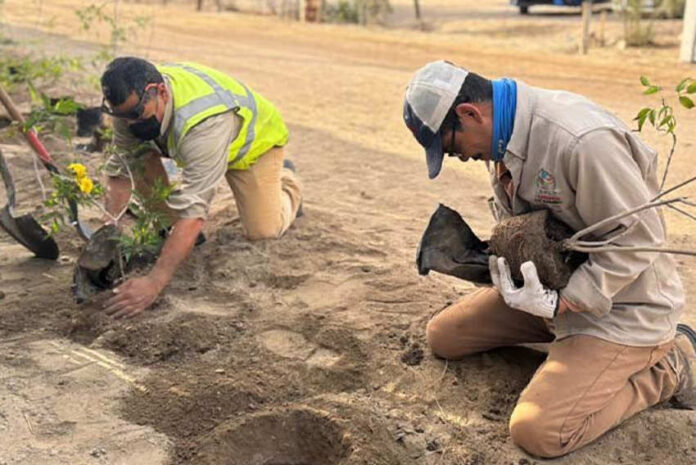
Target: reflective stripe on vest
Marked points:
219	97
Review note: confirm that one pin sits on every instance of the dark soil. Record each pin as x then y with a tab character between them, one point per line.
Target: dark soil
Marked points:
535	237
413	356
291	437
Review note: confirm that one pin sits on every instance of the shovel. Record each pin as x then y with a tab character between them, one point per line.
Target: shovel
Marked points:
30	135
25	228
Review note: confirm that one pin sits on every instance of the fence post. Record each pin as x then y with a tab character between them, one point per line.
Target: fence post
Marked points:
688	46
586	16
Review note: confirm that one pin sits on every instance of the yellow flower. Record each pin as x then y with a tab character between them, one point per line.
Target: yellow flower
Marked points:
86	185
79	170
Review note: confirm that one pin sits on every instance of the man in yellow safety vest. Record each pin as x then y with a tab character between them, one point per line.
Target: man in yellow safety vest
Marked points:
213	126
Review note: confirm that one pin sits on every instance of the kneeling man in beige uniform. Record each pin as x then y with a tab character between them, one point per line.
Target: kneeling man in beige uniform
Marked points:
616	347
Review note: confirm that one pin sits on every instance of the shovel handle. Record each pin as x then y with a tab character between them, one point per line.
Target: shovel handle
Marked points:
29	134
7	180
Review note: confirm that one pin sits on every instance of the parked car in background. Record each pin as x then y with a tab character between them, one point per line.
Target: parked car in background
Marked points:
524	5
656	8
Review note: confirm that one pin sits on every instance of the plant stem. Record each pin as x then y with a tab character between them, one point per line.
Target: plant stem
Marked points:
672	189
618	248
604	222
683	212
669	160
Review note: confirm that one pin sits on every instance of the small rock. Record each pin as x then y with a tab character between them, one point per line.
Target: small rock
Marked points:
220	370
97	452
413	356
432	445
2	295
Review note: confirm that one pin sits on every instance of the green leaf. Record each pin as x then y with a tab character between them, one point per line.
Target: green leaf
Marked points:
642	113
682	84
33	93
651	90
641	120
692	88
644	80
652	117
664	121
686	102
46	101
66	107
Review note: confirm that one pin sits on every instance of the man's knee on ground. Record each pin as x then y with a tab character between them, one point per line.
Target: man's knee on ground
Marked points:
442	339
260	232
532	430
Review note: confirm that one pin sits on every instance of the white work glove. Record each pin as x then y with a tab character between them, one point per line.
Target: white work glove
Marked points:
532	297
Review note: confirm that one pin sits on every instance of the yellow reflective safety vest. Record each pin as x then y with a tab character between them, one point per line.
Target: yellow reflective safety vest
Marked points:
200	92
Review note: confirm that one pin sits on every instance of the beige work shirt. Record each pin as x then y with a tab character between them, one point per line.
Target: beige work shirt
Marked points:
582	163
202	155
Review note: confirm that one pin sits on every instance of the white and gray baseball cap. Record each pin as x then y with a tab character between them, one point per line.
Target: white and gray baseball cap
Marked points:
429	96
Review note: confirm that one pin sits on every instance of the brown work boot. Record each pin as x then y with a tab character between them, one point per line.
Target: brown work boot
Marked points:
683	360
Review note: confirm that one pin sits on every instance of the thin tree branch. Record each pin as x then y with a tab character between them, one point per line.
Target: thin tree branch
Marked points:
618	216
672	189
617	248
683	212
669	160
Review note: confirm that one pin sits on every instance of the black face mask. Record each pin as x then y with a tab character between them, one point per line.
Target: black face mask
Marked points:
147	129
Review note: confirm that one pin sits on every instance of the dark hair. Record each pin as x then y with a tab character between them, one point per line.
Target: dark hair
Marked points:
125	75
475	89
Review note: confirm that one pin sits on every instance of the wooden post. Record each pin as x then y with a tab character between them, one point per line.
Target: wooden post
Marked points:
602	24
586	16
688	46
301	10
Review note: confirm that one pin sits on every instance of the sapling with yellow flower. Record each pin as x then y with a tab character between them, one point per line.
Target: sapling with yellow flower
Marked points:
76	185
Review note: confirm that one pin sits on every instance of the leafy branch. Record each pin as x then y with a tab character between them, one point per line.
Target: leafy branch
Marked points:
662	117
80	189
146	236
663	120
49	114
120	31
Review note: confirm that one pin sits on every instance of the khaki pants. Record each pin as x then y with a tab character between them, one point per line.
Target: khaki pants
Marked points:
585	387
267	195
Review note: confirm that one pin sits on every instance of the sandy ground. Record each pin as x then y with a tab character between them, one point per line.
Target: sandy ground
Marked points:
309	350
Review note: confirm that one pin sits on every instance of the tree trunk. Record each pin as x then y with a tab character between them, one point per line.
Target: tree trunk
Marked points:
199	5
416	6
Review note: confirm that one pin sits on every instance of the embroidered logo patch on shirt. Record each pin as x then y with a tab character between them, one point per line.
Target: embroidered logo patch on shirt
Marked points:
546	188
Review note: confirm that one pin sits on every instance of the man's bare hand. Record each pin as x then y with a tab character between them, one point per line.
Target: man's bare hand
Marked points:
132	297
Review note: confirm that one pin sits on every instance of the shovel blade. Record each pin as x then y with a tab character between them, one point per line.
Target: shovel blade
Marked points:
28	232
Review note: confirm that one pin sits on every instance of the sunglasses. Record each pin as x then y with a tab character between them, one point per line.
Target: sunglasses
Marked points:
137	111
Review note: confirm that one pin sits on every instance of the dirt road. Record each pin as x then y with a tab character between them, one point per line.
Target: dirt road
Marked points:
309	349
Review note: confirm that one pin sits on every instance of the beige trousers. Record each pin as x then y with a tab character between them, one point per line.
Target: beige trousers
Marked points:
268	196
585	387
